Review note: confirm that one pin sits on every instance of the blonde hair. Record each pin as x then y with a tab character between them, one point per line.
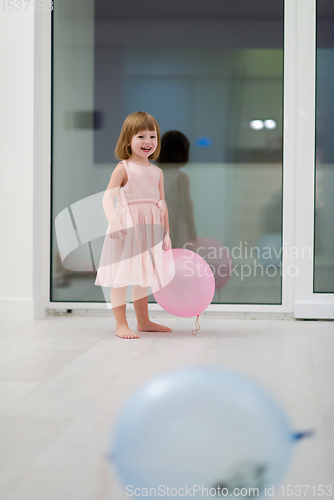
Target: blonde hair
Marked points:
134	123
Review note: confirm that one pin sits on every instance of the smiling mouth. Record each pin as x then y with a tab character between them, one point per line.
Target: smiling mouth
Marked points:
146	149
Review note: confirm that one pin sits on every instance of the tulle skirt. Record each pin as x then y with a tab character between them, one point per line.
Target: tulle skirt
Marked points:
134	258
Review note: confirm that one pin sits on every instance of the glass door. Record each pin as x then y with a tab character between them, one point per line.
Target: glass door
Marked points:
314	291
324	153
214	73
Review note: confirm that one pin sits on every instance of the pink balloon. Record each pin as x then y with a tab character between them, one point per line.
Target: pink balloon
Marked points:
217	256
188	284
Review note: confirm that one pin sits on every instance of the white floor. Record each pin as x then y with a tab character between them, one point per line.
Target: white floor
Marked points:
63	381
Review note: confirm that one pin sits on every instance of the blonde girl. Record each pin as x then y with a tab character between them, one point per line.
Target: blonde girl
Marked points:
138	230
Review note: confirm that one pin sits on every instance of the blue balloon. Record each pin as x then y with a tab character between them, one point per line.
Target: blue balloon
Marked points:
210	430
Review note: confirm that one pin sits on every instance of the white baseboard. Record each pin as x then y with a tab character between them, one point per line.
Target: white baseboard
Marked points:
39	308
312	310
160	314
16	308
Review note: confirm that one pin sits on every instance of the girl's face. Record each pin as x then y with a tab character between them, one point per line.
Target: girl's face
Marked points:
144	144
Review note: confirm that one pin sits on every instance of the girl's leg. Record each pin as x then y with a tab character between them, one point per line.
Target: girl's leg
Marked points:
118	301
140	303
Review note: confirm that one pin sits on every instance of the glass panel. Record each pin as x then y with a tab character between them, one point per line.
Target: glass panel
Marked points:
324	179
214	73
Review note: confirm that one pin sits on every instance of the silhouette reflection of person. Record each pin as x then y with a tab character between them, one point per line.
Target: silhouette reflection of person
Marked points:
174	154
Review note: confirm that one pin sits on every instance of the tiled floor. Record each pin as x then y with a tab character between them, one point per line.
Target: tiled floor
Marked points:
63	381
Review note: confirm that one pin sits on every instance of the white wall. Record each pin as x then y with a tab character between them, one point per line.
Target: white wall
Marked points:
16	186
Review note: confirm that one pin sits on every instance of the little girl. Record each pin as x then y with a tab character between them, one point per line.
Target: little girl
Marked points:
138	229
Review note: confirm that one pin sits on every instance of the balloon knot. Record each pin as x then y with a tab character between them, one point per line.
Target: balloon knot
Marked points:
301	435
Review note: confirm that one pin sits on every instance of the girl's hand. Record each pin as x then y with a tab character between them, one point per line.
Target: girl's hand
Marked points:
116	231
166	243
119	235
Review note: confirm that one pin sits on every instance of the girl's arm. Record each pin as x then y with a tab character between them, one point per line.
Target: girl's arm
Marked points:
167	242
117	178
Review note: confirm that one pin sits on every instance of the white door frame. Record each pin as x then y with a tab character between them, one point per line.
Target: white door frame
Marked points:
306	303
298	299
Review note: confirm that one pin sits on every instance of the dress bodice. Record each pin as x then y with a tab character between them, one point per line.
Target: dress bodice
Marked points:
143	182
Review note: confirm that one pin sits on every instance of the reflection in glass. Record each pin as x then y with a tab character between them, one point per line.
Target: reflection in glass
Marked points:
210	75
174	155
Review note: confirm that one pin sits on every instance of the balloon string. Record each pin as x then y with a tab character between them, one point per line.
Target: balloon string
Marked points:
197	324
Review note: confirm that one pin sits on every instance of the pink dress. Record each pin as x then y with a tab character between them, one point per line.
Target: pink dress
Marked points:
135	258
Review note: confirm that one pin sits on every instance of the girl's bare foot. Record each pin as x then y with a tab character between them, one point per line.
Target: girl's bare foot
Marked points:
124	332
148	326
